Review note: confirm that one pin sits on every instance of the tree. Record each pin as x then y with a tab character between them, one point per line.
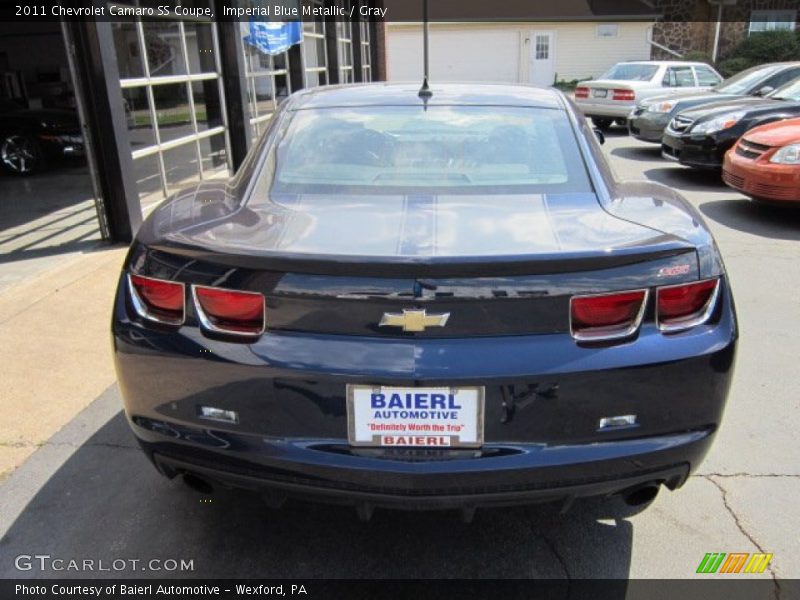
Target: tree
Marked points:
768	46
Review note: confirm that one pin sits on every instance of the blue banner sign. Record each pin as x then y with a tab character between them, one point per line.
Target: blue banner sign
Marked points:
274	37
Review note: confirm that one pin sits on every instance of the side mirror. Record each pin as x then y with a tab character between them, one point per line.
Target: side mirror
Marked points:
601	137
765	90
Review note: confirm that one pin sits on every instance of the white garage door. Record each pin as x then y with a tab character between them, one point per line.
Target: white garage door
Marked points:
466	55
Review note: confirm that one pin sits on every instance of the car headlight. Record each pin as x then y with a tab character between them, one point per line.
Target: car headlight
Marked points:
719	123
661	107
788	155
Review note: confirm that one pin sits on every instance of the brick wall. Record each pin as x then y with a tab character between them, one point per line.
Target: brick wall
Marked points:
689	25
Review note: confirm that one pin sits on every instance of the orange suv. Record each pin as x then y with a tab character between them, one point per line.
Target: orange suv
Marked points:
765	163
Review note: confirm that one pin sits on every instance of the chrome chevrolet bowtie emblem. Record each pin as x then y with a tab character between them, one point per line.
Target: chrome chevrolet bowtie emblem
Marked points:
413	319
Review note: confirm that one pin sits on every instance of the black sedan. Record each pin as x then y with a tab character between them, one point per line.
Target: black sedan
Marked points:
651	116
426	303
700	137
31	137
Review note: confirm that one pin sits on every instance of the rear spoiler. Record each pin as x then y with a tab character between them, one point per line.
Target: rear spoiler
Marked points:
459	266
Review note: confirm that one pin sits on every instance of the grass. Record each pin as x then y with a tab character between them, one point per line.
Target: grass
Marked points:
142	118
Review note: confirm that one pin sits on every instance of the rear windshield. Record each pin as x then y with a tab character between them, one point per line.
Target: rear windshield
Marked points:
629	72
446	149
741	83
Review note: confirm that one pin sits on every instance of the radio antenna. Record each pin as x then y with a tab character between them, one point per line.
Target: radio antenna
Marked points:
425	91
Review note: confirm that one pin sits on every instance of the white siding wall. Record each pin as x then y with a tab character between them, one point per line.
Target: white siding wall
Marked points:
456	54
581	54
497	52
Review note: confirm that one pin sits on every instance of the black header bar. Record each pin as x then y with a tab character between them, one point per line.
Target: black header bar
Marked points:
389	10
701	588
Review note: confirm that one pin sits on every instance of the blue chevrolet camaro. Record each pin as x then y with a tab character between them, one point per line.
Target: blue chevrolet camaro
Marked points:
426	303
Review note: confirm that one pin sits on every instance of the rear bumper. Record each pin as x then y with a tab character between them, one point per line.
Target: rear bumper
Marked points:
761	179
414	490
618	110
67	145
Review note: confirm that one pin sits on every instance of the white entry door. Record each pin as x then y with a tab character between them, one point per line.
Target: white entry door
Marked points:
542	60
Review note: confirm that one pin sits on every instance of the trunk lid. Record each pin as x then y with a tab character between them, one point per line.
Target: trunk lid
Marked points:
407	234
497	265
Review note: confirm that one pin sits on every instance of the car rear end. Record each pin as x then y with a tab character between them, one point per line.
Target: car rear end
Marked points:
613	95
59	134
583	389
612	99
460	345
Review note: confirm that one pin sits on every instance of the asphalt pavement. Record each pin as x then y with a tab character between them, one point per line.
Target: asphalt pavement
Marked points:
88	493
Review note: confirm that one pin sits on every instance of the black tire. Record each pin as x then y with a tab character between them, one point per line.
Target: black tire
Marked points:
20	154
602	123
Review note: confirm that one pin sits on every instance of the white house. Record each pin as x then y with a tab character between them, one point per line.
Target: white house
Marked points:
518	52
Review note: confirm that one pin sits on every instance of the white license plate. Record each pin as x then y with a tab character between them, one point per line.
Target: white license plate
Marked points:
600	93
432	417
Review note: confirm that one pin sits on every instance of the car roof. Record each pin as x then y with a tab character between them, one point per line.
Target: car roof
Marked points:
405	94
787	64
669	63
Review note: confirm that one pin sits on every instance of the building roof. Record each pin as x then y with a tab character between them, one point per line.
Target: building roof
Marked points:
405	94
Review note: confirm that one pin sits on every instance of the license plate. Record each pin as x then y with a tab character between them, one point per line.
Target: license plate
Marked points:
415	416
600	93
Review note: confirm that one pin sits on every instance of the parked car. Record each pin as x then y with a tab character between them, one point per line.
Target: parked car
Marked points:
426	303
765	163
613	96
651	116
30	137
700	137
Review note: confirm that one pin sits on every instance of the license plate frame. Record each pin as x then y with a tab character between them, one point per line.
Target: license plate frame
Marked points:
469	403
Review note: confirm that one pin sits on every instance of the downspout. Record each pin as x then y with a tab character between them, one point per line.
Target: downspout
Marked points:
716	34
719	4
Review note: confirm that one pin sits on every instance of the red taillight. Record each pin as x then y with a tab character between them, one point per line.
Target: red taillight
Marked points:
627	95
581	92
606	316
229	311
157	299
682	306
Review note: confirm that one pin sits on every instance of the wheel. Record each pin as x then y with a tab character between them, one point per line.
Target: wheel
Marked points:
602	123
621	122
19	154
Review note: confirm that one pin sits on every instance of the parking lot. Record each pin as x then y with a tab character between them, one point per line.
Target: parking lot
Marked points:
89	493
